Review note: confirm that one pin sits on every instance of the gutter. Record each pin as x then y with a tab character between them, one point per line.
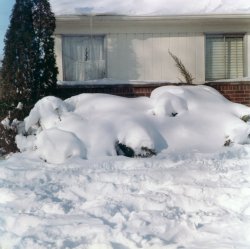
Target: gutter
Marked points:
113	17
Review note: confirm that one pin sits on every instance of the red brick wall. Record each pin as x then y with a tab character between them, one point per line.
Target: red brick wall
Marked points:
119	90
236	92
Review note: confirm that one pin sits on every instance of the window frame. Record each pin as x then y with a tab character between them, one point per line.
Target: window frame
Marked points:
105	52
226	35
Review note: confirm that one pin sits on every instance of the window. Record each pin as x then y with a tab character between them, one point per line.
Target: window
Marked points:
224	56
83	58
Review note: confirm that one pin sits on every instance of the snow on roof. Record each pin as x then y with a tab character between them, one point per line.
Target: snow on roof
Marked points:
149	7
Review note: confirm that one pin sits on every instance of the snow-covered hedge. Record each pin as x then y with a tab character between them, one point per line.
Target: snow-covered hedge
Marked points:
174	118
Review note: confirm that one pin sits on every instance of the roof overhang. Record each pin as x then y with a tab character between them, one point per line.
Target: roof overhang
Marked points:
234	19
113	17
182	23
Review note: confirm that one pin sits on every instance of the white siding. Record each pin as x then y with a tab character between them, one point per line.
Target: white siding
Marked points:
199	58
144	56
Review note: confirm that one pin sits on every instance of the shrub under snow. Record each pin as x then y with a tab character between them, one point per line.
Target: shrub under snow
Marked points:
174	118
55	145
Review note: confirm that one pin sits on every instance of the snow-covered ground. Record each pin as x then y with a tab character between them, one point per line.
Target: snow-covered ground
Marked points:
172	201
69	189
149	7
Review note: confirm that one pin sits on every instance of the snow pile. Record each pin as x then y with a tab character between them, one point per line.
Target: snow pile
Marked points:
55	145
149	7
176	119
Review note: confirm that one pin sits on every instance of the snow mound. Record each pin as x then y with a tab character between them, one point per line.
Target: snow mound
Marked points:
6	195
139	135
55	146
46	113
175	118
149	7
168	101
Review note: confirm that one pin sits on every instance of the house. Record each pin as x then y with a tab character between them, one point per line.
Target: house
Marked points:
134	50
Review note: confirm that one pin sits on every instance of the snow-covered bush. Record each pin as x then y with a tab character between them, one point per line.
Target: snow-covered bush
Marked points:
7	139
55	146
246	118
29	69
10	126
46	113
167	103
124	150
176	119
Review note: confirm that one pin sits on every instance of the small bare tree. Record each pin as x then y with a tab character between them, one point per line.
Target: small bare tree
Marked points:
184	72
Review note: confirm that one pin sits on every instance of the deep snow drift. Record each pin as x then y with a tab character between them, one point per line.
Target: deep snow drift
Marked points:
149	7
178	199
174	119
